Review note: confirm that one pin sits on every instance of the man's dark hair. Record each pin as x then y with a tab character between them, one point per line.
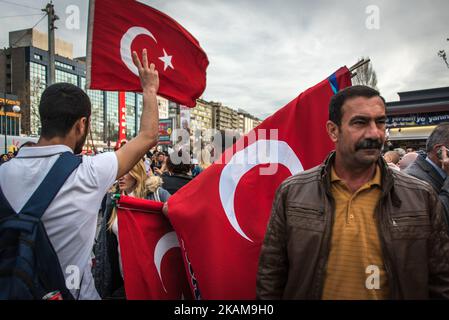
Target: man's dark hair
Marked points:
439	135
339	99
185	164
61	105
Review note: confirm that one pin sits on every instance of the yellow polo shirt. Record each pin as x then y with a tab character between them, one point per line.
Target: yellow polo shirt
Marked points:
355	268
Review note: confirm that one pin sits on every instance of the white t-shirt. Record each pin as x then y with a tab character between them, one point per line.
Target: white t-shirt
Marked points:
71	218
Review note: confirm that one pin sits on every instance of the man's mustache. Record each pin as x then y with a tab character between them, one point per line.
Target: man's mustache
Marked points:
369	144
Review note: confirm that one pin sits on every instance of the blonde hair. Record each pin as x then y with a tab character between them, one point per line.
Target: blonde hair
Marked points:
139	174
152	182
205	159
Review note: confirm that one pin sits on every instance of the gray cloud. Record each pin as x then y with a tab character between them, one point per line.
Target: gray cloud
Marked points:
263	54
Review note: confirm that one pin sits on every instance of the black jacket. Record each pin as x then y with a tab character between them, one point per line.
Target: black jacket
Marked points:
174	182
106	271
423	170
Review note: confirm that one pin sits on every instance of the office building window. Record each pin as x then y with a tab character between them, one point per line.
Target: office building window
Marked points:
62	76
130	101
64	65
112	116
97	117
83	83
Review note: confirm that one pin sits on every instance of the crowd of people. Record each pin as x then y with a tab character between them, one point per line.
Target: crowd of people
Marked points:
7	156
360	210
12	152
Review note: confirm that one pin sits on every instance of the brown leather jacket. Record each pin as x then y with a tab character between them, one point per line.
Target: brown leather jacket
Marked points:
412	231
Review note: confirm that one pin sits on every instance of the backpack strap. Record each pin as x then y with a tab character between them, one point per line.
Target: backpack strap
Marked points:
52	183
5	207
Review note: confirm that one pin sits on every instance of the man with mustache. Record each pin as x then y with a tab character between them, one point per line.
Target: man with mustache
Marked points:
352	228
70	219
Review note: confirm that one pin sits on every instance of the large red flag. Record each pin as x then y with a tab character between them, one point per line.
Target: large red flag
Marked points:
116	28
153	268
221	216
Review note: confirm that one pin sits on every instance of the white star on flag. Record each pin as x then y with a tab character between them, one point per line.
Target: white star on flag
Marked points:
166	59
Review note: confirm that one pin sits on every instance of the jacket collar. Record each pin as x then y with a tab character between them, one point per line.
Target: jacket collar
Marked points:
427	166
387	180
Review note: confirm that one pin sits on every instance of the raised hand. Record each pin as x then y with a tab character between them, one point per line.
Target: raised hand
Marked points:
149	76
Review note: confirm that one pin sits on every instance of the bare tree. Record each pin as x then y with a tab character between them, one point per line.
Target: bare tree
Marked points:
365	75
442	55
37	86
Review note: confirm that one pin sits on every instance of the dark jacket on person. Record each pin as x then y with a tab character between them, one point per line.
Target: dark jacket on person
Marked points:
412	232
174	182
106	270
423	170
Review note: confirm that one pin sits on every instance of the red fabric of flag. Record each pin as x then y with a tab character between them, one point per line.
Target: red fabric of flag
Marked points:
153	267
116	28
221	216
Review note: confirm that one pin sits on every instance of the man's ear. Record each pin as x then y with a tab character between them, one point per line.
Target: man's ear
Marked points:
332	131
436	148
81	125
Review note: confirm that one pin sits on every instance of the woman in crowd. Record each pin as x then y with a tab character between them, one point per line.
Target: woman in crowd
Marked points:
203	164
154	188
108	272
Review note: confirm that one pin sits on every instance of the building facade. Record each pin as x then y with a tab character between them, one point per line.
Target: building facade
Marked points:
202	119
226	118
9	120
247	121
412	118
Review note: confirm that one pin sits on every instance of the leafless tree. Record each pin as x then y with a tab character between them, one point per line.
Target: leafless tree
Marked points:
442	55
365	75
36	88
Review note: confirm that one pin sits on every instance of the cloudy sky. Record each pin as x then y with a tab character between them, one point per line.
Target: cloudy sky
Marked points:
264	53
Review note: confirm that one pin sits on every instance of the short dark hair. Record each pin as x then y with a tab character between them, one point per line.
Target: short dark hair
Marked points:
61	105
339	99
439	135
185	164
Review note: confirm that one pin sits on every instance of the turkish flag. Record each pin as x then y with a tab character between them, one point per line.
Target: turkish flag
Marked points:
116	28
221	215
153	267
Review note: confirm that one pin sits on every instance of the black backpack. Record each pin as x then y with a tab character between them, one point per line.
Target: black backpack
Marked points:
29	266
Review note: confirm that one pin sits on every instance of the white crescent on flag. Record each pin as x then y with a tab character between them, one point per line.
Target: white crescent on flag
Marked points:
125	46
165	243
260	152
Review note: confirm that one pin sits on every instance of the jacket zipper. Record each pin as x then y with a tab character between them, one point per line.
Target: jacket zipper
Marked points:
319	273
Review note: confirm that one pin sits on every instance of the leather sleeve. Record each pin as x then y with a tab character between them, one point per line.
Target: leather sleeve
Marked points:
439	251
444	197
273	262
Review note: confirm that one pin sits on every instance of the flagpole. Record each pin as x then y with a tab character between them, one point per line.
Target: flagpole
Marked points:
358	65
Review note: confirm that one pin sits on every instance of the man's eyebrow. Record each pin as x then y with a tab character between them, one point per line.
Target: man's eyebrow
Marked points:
361	117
